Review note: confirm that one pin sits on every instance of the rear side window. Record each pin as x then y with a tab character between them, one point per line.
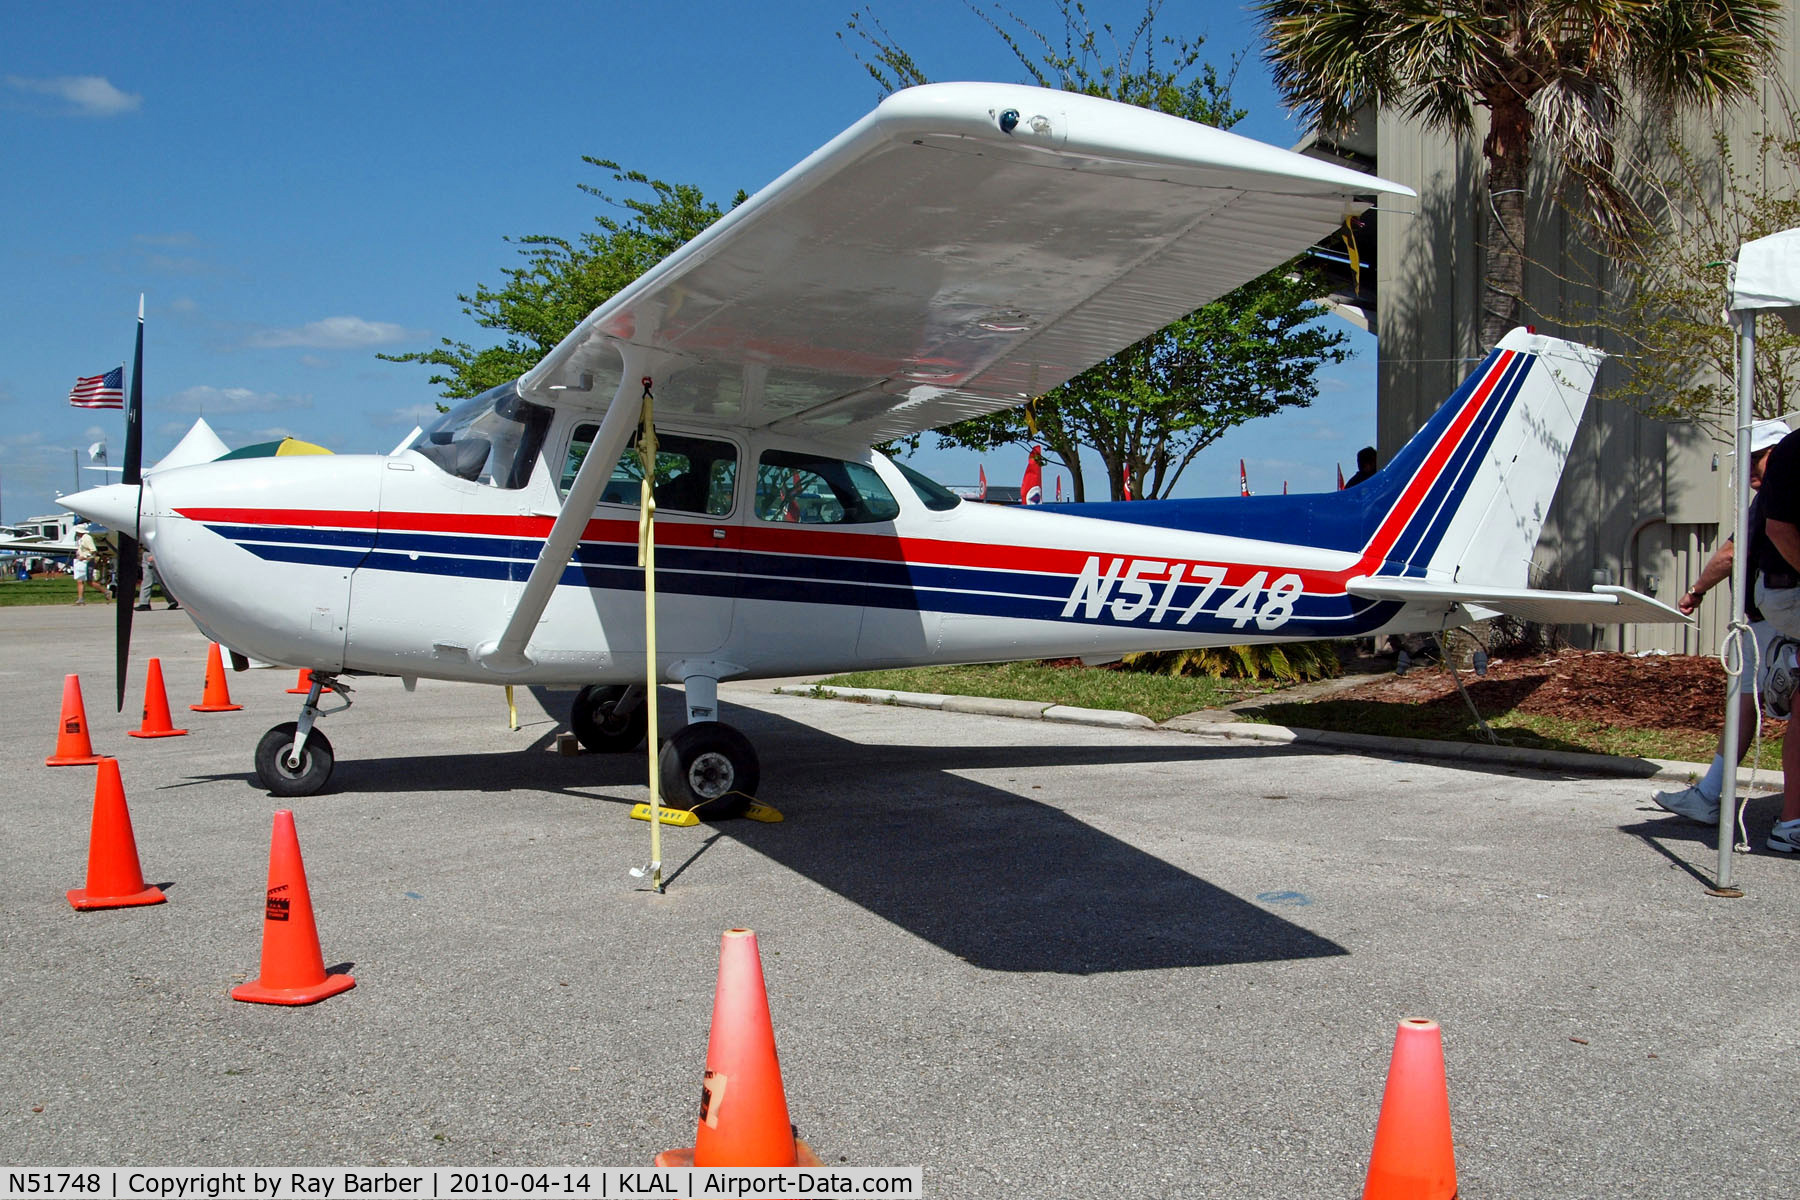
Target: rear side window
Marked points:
805	489
936	496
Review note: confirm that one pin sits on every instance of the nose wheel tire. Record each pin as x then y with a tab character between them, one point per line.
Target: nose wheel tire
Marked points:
710	769
274	772
598	724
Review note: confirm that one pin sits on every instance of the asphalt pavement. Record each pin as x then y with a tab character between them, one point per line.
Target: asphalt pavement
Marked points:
1033	957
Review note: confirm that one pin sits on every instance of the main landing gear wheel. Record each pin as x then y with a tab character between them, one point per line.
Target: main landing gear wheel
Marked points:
272	767
710	769
601	727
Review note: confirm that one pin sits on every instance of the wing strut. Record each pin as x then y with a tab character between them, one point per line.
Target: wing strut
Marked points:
506	654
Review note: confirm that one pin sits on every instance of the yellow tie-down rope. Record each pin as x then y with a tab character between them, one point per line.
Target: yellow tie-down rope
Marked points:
647	560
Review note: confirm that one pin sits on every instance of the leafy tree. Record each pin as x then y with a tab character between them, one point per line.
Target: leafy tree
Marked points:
1155	405
1672	281
561	281
1550	73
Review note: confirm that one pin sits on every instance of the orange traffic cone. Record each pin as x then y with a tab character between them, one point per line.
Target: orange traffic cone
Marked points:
217	697
156	707
293	969
1413	1158
303	685
72	746
743	1110
114	879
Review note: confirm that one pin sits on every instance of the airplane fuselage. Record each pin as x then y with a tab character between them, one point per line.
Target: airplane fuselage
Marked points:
390	565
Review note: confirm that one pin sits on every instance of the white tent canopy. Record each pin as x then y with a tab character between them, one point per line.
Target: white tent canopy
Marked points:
1768	277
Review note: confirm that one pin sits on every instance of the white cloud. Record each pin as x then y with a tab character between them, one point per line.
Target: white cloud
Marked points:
214	401
85	95
336	333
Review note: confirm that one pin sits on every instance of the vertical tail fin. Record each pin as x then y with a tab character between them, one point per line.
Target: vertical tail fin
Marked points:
1465	500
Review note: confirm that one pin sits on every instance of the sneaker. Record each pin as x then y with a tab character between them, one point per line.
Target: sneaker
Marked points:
173	604
1785	836
1691	802
140	608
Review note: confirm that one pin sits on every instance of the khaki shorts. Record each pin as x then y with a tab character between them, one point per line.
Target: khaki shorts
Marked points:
1780	607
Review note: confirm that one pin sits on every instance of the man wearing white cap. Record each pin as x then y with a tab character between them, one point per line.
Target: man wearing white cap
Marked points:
86	552
1700	802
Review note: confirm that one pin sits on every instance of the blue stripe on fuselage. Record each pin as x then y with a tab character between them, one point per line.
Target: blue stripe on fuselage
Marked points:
818	579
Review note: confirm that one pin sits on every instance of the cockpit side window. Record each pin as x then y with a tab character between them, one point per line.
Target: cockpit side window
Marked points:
693	475
494	438
806	489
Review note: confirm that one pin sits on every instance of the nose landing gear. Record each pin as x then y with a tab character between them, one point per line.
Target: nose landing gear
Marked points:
294	759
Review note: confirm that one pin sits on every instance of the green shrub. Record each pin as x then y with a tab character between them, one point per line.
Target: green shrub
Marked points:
1285	662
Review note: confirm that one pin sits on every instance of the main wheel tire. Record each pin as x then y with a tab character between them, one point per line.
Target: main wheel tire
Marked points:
272	769
710	769
598	724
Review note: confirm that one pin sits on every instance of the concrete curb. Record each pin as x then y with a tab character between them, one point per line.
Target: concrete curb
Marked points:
1567	761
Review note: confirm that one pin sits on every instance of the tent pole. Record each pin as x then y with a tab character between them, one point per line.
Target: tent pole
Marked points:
1740	583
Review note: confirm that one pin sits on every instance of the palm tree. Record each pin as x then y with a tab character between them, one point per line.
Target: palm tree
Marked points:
1554	72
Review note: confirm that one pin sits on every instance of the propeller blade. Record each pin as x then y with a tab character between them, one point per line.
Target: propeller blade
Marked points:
126	577
126	580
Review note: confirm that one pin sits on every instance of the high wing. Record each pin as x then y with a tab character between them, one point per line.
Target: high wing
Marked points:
962	249
1605	605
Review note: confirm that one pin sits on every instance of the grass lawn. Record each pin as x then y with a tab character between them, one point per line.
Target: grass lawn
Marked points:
1511	727
52	589
1158	697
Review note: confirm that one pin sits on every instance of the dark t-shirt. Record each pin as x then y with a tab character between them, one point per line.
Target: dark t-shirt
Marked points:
1779	500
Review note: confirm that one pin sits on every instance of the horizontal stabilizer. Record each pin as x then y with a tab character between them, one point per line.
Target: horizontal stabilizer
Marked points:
1605	605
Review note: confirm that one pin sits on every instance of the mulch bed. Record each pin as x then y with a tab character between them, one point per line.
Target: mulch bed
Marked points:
1676	692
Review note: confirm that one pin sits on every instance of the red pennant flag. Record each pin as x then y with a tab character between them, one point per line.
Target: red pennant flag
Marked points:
1340	477
1127	471
982	494
1284	487
1243	479
1059	489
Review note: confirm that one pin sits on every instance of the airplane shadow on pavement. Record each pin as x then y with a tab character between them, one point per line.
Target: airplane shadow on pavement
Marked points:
1002	881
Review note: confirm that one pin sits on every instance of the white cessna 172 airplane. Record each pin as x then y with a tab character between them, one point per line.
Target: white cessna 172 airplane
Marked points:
960	250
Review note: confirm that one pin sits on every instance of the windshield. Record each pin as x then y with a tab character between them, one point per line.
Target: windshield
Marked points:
493	438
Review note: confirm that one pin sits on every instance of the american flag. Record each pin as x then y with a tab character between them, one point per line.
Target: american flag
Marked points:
99	391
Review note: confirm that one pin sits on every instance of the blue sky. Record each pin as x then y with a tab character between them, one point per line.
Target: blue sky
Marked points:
296	188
